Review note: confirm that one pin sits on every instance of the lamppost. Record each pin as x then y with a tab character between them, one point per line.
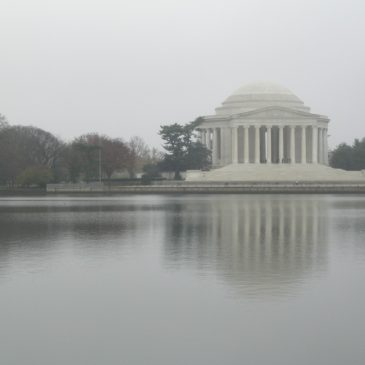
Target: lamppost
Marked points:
99	164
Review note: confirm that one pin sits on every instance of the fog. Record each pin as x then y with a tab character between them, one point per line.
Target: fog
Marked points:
123	68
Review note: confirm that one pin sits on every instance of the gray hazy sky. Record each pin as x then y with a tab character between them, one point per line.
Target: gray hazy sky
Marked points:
124	67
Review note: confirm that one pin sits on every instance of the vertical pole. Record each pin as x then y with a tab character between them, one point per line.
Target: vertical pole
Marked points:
100	164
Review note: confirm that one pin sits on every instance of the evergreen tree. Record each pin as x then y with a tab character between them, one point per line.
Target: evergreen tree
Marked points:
183	150
349	157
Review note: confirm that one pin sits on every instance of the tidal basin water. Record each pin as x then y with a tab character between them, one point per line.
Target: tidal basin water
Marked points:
190	279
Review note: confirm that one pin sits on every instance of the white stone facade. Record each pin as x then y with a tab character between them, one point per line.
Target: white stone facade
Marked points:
265	124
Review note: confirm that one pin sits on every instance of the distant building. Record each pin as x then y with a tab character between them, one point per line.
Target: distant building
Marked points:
265	132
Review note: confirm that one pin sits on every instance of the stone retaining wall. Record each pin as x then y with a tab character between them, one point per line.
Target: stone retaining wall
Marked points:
213	188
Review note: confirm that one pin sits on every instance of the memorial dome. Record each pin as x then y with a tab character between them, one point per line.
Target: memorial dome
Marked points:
260	95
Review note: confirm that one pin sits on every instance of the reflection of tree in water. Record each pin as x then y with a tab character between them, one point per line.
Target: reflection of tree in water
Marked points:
348	224
266	243
87	226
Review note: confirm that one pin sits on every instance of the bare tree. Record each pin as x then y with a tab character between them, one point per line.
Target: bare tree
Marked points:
139	153
3	121
93	151
22	147
155	156
114	156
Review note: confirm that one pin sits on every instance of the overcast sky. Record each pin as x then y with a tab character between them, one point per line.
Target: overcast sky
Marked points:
123	68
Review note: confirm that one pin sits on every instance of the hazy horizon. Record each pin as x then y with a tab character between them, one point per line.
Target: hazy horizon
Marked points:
123	68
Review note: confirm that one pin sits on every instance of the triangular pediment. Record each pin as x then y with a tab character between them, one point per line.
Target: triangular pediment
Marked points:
276	112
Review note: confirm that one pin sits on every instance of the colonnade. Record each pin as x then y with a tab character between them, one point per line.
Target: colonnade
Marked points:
267	144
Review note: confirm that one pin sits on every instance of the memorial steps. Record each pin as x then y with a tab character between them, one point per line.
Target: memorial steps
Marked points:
276	172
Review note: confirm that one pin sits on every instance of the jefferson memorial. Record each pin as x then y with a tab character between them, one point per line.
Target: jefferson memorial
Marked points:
265	132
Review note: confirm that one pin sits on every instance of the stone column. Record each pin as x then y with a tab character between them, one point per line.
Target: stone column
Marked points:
320	145
257	144
268	146
304	144
203	135
314	144
209	139
234	145
222	146
325	147
281	143
215	146
292	144
246	156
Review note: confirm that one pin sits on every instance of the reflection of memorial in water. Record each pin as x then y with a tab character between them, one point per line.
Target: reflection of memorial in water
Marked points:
265	243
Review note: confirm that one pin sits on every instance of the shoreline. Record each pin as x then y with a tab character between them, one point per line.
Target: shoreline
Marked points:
23	191
183	187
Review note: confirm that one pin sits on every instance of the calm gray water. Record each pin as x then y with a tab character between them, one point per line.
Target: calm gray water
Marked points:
213	279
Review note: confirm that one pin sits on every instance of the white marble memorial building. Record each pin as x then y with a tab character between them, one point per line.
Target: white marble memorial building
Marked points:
264	123
265	132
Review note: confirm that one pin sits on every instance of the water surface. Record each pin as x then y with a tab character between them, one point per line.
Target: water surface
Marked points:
210	279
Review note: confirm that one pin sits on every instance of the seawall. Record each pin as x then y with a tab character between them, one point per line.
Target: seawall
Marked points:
183	187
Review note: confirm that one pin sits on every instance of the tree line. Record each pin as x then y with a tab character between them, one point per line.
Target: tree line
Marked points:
32	156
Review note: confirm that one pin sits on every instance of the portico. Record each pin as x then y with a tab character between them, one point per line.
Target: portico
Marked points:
278	143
